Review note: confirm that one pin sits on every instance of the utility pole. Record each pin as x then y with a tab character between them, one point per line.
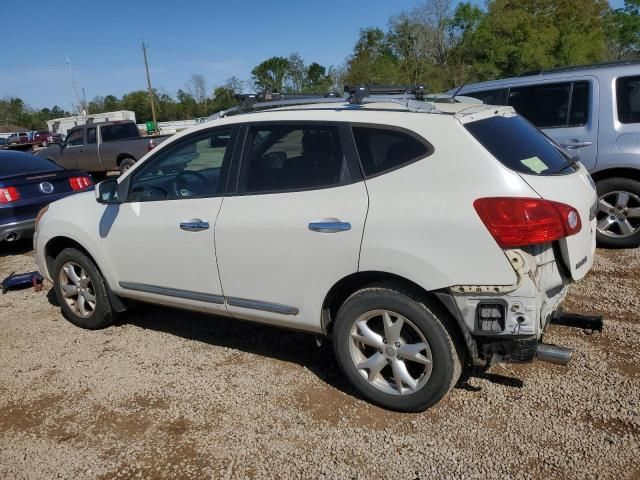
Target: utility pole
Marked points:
75	87
146	66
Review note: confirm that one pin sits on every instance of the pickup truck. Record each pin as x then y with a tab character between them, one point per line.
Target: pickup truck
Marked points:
102	147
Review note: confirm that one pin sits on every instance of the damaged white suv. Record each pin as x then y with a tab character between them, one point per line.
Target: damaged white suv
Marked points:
420	237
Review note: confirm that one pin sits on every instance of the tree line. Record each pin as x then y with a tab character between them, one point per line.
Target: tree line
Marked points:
433	44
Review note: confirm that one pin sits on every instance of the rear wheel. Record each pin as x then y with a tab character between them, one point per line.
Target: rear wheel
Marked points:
126	164
81	291
618	213
394	349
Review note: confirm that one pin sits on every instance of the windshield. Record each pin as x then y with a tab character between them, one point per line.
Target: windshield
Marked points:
519	146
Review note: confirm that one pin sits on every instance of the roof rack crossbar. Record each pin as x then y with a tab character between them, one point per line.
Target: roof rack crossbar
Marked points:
410	97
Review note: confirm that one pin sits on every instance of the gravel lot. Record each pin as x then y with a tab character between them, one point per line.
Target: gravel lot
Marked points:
167	393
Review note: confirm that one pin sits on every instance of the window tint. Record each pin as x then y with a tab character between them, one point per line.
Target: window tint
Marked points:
14	163
293	157
542	105
75	138
628	99
119	131
490	97
91	135
191	168
547	106
579	113
518	145
382	149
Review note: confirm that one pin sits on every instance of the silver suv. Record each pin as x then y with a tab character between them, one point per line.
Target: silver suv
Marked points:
593	111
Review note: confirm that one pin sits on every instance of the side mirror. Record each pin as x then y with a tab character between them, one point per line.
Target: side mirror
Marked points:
107	192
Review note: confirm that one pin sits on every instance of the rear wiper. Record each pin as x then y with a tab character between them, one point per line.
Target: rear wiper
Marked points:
569	163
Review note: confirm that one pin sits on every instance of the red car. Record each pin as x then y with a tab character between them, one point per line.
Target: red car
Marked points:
45	138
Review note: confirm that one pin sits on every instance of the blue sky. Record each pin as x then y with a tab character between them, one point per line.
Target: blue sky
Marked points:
216	38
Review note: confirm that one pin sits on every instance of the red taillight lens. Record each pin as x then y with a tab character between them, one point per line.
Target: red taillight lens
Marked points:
515	222
79	183
9	194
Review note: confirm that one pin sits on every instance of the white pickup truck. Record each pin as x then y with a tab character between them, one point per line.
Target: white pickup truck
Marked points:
102	147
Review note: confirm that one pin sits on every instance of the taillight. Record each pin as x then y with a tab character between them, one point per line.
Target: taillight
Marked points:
516	222
9	194
79	183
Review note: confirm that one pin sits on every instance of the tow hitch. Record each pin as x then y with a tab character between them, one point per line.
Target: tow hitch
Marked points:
562	355
575	320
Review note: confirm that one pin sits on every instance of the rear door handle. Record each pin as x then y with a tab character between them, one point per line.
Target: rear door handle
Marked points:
329	226
194	225
576	144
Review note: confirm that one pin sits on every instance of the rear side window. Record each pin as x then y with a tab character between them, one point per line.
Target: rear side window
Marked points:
628	99
119	131
498	96
91	135
552	105
382	149
518	145
293	157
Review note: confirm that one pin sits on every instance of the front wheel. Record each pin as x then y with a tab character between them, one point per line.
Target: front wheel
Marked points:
81	290
395	349
618	213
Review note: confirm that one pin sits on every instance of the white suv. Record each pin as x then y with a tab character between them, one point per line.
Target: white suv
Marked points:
420	240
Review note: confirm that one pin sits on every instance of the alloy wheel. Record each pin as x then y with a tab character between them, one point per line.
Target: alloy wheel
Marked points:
77	289
618	214
390	352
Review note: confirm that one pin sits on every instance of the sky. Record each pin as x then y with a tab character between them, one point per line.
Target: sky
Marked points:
215	38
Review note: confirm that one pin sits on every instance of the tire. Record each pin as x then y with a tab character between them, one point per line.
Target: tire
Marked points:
421	323
622	195
126	164
98	314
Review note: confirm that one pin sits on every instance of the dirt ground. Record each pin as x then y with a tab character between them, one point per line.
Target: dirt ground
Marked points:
171	394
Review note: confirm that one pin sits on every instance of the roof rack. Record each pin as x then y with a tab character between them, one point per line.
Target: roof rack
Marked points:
579	67
410	97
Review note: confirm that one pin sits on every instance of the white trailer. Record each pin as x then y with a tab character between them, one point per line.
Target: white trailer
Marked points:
62	125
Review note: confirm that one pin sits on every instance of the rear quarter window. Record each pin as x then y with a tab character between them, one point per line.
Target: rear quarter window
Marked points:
383	149
518	145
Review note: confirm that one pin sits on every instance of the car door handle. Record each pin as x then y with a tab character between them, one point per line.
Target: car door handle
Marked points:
576	144
329	226
194	225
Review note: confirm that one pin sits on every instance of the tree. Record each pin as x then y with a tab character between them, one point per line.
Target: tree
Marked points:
373	60
270	74
197	88
623	31
224	96
296	73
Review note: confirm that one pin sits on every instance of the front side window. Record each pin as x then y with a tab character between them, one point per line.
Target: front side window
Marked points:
292	157
119	131
382	149
191	168
75	138
628	99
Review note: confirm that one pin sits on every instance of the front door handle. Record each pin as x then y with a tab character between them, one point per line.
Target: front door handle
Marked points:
194	225
576	144
329	225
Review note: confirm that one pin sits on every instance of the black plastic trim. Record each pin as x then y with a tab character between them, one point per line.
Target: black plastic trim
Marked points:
173	292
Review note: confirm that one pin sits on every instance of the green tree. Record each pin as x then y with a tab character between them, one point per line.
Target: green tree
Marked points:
623	31
270	74
373	60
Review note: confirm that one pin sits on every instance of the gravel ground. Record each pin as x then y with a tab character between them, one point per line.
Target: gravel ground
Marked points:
167	393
